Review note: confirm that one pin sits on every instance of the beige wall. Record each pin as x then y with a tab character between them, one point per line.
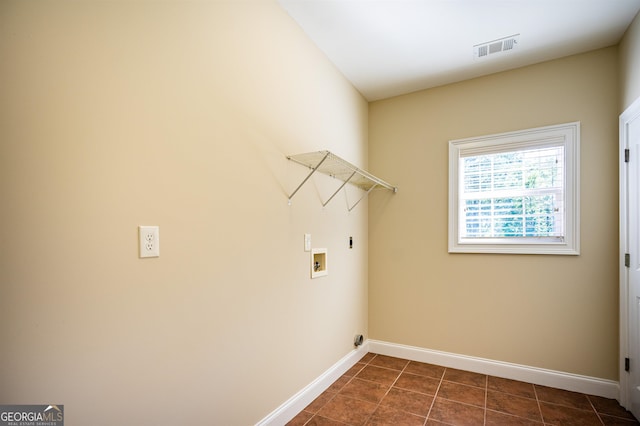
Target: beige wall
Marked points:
177	114
630	64
554	312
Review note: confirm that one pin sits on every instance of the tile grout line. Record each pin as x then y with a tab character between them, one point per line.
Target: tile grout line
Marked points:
378	404
535	393
323	405
594	409
433	402
486	396
388	390
336	393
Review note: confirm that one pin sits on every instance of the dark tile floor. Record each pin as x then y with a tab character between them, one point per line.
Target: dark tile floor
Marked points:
382	390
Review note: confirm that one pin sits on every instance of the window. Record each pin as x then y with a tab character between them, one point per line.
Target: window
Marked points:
515	192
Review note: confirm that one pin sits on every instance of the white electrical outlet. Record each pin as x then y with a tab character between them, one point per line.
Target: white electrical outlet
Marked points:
149	237
307	242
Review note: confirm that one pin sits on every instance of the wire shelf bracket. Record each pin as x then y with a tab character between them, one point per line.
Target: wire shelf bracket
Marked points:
330	164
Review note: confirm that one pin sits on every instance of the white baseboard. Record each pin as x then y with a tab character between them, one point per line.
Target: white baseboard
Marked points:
304	397
538	376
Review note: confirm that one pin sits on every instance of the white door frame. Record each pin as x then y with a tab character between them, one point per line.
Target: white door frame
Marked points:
632	112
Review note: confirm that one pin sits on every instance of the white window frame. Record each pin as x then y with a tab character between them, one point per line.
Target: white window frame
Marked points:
569	135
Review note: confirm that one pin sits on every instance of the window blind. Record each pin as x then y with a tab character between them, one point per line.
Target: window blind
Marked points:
517	193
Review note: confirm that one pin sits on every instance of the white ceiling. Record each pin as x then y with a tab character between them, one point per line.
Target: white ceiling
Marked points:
391	47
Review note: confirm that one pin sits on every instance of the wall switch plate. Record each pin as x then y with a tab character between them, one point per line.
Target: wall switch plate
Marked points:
307	242
149	238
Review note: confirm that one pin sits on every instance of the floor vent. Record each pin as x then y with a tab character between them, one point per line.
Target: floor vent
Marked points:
484	50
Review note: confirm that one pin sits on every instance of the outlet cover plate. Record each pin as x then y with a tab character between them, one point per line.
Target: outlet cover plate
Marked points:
149	241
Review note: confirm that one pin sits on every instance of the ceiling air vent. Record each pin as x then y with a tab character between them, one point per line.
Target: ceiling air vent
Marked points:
484	50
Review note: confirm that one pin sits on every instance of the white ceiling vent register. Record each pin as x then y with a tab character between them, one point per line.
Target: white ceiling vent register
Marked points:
506	44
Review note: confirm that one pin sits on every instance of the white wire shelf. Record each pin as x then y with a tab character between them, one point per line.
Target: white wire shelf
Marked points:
330	164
